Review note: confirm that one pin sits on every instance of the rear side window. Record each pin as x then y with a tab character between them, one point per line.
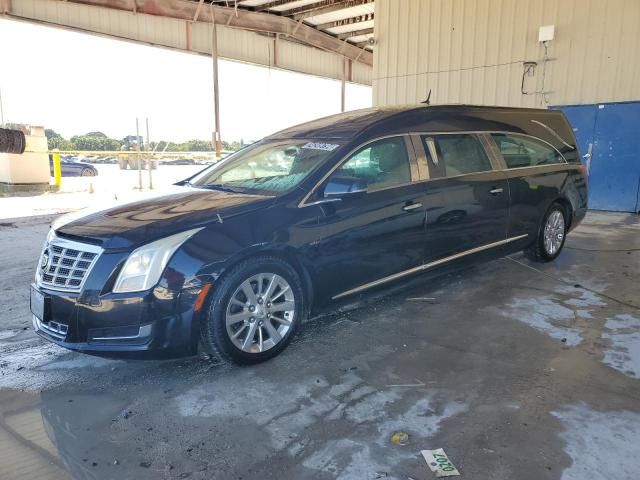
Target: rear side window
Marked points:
381	164
521	152
456	154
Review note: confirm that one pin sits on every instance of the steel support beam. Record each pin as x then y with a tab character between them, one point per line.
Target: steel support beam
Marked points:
246	20
195	16
355	33
216	93
343	85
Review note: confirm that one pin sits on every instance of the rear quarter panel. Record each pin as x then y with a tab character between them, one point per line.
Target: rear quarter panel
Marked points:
534	189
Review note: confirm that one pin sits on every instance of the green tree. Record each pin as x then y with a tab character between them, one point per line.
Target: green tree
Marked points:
96	141
55	140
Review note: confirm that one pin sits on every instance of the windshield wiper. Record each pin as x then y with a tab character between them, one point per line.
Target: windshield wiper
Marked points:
218	186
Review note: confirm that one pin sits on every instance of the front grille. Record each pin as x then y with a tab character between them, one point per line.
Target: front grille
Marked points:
64	264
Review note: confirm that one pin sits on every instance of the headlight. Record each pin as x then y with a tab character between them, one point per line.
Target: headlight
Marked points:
145	265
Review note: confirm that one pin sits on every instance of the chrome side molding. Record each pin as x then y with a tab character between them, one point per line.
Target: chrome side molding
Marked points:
427	266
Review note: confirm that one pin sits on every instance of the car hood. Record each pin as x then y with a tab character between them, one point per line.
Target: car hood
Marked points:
175	210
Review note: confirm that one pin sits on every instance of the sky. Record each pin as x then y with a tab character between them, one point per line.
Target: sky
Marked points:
76	83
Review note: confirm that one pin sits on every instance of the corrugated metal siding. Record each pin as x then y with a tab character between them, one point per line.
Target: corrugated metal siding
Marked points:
471	51
233	43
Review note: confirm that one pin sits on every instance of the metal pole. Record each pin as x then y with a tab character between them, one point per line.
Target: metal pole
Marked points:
139	161
216	96
149	161
57	169
343	90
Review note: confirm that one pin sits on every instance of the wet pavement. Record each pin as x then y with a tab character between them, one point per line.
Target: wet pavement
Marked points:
518	370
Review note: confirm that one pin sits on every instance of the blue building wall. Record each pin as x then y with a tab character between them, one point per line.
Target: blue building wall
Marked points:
613	131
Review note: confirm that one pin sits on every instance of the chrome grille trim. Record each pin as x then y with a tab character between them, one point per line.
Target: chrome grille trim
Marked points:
67	266
56	330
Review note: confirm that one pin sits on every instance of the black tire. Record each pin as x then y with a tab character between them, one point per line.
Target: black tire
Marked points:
213	329
87	172
537	252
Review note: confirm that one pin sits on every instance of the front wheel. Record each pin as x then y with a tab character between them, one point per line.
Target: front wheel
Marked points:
254	311
551	235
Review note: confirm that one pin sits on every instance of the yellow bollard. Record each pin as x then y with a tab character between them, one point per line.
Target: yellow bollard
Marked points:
57	170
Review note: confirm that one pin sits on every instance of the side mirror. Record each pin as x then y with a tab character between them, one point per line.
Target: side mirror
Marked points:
343	187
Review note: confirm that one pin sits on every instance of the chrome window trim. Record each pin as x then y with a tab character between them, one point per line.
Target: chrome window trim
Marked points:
73	245
479	133
552	132
492	151
490	132
426	266
412	159
421	158
516	134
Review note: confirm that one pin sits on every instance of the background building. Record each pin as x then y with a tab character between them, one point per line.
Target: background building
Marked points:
489	52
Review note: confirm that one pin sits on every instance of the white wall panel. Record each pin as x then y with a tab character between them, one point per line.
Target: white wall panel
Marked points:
471	51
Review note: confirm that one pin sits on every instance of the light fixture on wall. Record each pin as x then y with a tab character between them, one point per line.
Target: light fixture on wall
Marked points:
546	34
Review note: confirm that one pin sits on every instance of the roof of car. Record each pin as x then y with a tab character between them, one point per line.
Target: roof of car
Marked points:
432	118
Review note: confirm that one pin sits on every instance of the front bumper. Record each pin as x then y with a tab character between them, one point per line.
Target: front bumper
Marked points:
116	323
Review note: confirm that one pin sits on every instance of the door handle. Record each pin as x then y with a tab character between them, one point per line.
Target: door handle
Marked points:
411	206
496	191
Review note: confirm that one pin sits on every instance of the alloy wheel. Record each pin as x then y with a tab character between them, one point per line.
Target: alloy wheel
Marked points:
260	312
554	231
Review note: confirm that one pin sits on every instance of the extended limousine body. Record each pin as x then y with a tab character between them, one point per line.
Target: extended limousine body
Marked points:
238	255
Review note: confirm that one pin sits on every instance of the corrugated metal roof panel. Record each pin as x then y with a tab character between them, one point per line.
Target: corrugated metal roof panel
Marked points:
290	5
352	27
341	14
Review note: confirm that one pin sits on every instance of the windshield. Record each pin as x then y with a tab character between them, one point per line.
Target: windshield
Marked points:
266	168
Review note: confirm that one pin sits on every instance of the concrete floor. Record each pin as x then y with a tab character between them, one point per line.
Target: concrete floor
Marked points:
517	373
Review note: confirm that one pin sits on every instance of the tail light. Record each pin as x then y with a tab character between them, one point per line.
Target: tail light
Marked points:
583	170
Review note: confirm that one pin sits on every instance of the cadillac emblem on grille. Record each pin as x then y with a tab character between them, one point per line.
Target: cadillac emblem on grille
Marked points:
44	261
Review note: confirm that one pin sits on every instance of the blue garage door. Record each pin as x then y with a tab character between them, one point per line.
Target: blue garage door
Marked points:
611	133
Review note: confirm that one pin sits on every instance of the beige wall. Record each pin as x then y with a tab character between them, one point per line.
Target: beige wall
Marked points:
471	51
32	167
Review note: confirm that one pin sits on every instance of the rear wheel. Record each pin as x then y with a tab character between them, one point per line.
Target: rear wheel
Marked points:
551	235
254	311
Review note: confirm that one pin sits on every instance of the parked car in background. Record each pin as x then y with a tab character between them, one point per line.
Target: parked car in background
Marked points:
238	255
179	161
71	168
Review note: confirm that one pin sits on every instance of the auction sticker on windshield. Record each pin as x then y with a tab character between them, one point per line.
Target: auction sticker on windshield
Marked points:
329	147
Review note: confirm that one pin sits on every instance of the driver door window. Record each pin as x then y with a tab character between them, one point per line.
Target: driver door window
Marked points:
381	164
